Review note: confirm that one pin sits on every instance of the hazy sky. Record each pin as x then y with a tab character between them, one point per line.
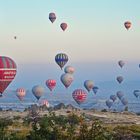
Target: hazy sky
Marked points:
95	33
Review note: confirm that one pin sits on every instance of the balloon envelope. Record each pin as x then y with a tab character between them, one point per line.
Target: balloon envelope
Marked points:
52	17
79	95
50	83
63	26
69	69
109	103
38	91
7	72
127	24
21	92
120	94
124	101
113	98
61	59
121	63
88	85
95	89
44	102
136	93
119	79
67	79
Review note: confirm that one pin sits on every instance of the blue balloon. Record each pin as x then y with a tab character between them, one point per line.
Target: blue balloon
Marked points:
113	98
120	94
109	103
95	89
124	101
61	59
136	93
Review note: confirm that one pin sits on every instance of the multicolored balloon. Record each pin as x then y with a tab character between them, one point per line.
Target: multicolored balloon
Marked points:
61	59
95	89
67	79
45	102
69	69
38	91
119	79
109	103
21	92
50	83
7	72
113	98
79	95
127	24
52	17
121	63
63	26
120	94
89	85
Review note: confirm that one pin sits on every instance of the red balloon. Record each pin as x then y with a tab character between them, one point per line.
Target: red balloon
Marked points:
79	95
21	92
45	102
50	83
63	26
127	25
7	72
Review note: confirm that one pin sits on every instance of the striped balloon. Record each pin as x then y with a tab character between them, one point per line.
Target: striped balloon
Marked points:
50	83
45	102
21	92
79	95
7	72
61	59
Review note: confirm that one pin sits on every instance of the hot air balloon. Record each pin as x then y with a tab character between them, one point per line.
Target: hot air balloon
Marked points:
124	101
113	98
136	93
79	95
119	79
69	69
38	91
120	94
52	17
61	59
88	85
63	26
45	102
7	72
67	79
50	83
95	89
109	103
21	92
121	63
127	25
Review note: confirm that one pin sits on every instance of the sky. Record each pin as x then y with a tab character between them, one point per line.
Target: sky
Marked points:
94	41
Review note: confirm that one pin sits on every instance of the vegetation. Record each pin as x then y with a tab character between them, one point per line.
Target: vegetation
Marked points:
71	127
